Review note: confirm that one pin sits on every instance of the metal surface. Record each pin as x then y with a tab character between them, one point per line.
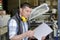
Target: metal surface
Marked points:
59	14
3	30
59	18
4	20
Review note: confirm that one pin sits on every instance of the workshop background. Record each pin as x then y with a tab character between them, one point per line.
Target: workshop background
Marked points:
52	17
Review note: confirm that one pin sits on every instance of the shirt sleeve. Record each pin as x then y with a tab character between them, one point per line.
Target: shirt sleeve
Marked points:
12	28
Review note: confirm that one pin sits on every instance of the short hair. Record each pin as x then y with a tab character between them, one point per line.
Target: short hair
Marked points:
25	4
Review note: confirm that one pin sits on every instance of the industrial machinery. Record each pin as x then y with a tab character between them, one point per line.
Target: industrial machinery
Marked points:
3	24
4	20
40	14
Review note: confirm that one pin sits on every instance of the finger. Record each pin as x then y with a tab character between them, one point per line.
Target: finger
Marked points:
43	38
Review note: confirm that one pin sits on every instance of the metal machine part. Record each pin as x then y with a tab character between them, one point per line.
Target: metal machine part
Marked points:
59	18
4	20
42	9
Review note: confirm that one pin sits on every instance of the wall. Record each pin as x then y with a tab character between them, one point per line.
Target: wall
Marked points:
12	4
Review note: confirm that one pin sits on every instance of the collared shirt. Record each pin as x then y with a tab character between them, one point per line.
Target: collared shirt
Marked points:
13	28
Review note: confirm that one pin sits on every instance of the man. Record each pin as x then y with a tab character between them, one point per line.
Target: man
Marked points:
18	27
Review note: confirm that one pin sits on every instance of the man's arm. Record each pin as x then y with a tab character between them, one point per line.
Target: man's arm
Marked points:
19	37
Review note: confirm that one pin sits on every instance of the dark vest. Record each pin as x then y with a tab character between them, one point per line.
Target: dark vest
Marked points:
18	20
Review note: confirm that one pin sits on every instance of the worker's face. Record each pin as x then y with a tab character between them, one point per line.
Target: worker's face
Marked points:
25	11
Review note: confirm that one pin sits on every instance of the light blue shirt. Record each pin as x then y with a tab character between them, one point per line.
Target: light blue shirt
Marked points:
13	28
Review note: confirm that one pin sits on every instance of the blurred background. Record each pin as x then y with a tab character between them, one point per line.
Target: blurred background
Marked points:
8	9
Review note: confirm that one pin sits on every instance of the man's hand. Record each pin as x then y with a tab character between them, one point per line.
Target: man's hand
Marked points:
43	38
30	33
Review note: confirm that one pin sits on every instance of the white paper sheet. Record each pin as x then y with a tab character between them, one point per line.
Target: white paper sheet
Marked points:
42	30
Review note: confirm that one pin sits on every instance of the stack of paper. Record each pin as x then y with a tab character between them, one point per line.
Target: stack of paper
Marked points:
42	30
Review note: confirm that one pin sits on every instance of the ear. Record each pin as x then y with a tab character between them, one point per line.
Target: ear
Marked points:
20	9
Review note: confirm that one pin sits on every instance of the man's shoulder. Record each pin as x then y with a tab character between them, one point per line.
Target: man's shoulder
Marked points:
12	21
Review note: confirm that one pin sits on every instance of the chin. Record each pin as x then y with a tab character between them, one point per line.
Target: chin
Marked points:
26	16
